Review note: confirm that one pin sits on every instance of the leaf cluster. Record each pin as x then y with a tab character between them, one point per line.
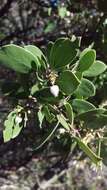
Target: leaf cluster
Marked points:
59	83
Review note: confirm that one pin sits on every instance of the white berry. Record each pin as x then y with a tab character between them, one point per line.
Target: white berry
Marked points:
54	90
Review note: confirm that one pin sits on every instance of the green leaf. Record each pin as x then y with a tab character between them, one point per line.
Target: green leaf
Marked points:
62	121
17	58
87	58
62	11
16	130
85	89
50	27
37	53
69	112
68	82
7	132
40	117
49	116
58	59
94	119
96	69
48	50
34	88
79	75
95	159
13	124
82	106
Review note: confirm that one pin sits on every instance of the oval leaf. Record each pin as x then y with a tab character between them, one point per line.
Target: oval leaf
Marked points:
85	89
94	119
82	106
68	82
97	68
17	58
37	53
87	58
59	59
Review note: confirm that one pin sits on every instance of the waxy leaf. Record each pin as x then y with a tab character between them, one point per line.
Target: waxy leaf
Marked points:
37	53
85	89
68	82
81	106
62	53
17	58
48	50
94	119
97	68
87	58
7	132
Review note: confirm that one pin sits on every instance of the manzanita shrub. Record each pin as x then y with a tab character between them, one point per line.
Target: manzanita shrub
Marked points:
59	84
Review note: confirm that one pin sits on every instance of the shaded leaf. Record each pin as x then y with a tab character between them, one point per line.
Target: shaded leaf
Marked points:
37	53
45	96
82	106
16	130
87	58
59	59
48	50
68	82
85	89
7	132
94	119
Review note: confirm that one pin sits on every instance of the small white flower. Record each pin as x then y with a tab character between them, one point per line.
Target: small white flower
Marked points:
18	119
54	90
